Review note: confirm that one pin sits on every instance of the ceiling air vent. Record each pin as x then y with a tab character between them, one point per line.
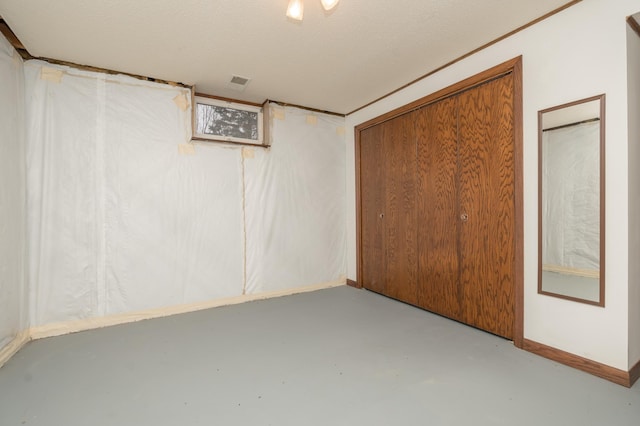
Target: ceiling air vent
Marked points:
238	83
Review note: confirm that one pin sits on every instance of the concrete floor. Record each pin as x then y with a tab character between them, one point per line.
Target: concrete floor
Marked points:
571	285
334	357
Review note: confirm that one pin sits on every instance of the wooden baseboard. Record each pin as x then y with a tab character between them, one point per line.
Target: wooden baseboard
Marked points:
634	374
352	283
620	377
14	346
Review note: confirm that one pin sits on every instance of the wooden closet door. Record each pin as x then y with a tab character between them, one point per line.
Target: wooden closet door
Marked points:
372	202
437	199
486	205
388	187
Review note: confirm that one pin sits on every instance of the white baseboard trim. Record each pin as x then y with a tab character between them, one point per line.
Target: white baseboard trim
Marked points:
14	346
67	327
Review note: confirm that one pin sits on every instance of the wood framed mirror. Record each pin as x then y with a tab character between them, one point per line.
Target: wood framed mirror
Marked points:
571	158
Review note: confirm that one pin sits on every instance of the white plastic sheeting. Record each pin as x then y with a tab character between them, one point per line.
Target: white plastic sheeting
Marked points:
122	218
571	194
12	195
295	200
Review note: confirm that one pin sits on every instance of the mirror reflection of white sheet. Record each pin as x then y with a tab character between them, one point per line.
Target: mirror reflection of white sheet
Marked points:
570	204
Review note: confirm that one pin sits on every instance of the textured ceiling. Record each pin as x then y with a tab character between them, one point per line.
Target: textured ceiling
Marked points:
334	61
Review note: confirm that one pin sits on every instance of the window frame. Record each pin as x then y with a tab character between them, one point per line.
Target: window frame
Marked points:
205	100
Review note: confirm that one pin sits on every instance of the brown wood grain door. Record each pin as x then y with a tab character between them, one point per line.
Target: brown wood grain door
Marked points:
440	213
486	205
388	199
372	201
437	200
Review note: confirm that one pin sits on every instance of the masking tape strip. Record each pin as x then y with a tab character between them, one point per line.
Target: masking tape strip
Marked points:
248	152
278	113
14	346
589	273
17	59
312	120
181	101
186	149
51	74
340	131
61	328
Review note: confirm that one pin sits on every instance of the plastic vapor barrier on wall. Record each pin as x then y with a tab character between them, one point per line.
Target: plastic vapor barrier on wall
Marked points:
295	203
12	195
126	214
571	212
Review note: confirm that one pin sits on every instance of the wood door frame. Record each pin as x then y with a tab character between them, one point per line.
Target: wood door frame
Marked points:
514	67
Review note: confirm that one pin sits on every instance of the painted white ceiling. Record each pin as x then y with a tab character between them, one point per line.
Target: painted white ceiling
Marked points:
334	61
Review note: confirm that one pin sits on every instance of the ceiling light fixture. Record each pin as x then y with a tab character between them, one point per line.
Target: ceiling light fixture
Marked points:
329	4
295	10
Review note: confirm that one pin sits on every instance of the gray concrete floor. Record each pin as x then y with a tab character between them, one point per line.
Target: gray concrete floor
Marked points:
571	285
334	357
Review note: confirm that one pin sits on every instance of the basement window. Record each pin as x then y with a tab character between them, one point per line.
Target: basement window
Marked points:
226	121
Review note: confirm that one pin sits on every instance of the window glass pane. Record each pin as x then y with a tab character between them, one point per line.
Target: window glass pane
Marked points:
230	122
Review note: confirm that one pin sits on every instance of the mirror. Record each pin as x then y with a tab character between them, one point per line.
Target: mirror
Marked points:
571	201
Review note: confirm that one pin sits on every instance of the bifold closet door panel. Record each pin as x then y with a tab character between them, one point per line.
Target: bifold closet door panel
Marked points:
486	205
388	187
400	215
372	204
437	200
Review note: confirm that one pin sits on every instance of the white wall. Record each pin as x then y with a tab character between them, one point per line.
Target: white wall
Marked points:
124	215
575	54
633	82
12	195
